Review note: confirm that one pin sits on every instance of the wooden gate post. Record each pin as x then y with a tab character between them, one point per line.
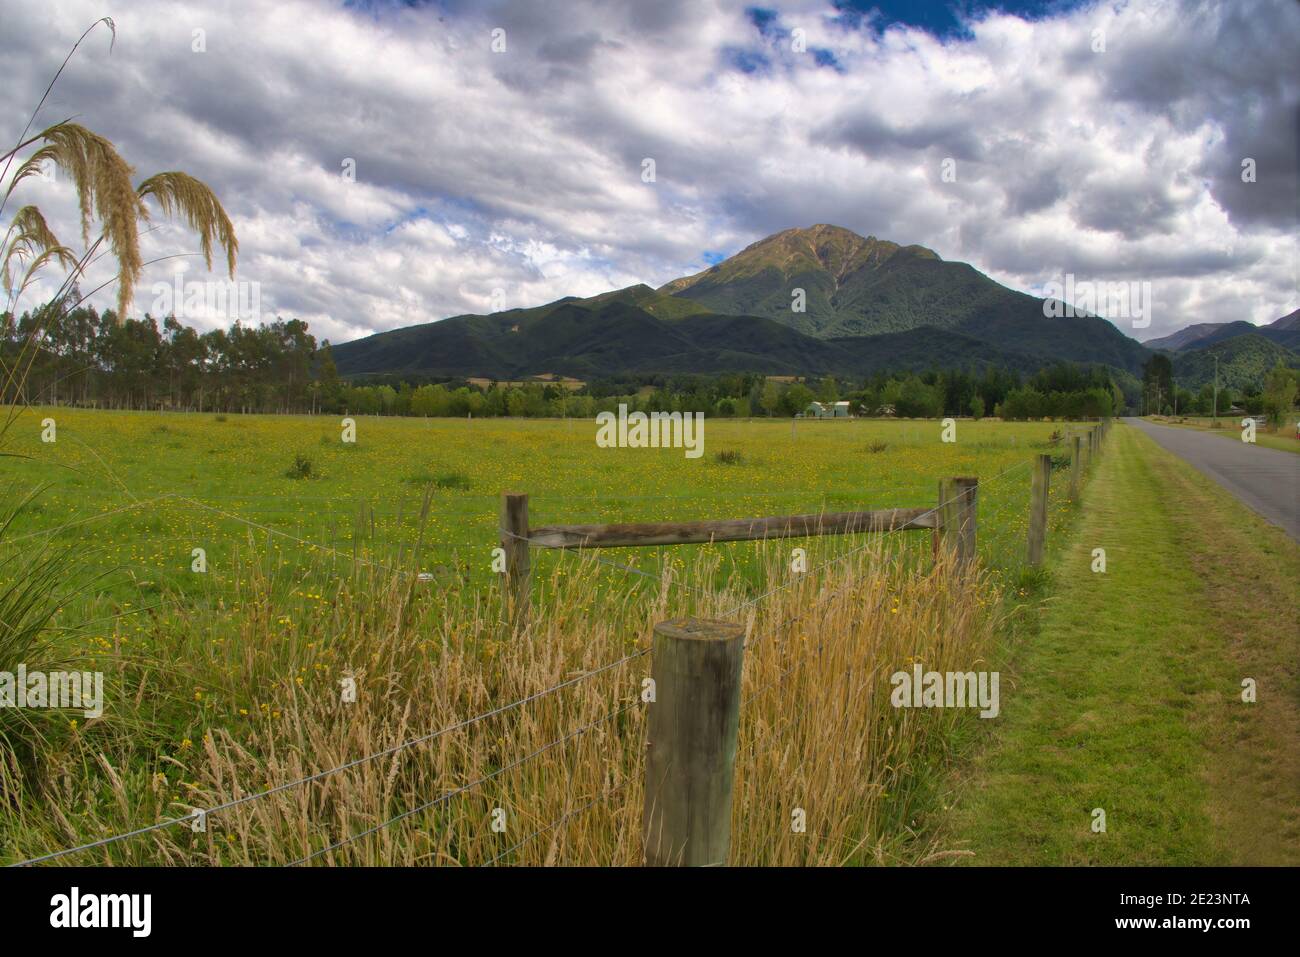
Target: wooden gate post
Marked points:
1039	485
690	761
957	514
516	582
1076	457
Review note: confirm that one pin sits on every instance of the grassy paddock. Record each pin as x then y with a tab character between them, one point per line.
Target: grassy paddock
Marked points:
225	683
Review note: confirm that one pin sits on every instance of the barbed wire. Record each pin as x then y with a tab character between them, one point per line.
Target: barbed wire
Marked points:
586	553
757	598
567	815
319	775
102	842
462	789
868	543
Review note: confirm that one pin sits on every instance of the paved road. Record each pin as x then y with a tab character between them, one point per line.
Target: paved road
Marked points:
1266	480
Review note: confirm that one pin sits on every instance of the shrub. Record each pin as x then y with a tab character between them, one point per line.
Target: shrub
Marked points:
301	467
729	457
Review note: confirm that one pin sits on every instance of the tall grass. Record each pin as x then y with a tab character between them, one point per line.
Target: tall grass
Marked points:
242	694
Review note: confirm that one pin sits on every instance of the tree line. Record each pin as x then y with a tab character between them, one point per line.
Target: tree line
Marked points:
1161	395
89	358
83	357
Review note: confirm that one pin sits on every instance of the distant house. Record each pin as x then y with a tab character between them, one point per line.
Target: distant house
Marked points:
828	410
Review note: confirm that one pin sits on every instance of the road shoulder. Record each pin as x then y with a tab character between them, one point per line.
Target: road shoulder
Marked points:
1126	696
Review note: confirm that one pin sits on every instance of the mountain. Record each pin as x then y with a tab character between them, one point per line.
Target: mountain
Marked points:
1288	323
1284	332
1193	334
870	304
1243	360
638	330
838	271
857	286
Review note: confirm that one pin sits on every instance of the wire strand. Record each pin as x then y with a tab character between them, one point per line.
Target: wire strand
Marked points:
311	778
462	789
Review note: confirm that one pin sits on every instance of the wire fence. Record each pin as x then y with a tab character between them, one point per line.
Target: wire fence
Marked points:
1003	510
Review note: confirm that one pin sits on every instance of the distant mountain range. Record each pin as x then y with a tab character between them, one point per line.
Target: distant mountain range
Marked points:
869	304
1244	361
1285	332
1245	351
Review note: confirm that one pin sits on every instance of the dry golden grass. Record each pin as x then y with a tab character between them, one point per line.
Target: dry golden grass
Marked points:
817	730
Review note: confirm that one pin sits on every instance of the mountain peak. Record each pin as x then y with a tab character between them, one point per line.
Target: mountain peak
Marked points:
828	263
836	249
824	248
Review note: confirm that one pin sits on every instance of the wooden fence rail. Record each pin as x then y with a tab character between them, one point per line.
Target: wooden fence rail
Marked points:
693	716
731	530
952	521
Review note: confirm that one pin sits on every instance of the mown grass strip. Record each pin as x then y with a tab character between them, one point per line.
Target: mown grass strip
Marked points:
1128	696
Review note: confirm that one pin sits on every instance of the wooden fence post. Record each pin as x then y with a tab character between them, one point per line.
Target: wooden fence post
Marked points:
957	515
1042	477
1076	456
516	588
690	760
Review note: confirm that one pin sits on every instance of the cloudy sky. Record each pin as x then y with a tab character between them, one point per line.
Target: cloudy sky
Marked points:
501	146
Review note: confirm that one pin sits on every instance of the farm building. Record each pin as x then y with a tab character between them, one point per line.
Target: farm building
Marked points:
827	410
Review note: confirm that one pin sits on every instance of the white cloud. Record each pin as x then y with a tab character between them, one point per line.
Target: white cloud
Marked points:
522	170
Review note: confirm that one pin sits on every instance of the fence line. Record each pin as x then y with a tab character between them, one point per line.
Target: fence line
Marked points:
703	592
922	515
847	525
695	779
825	597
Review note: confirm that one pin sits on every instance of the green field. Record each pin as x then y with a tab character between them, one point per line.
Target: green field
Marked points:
225	681
136	492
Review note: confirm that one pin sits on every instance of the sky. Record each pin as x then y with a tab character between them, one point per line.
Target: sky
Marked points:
389	163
